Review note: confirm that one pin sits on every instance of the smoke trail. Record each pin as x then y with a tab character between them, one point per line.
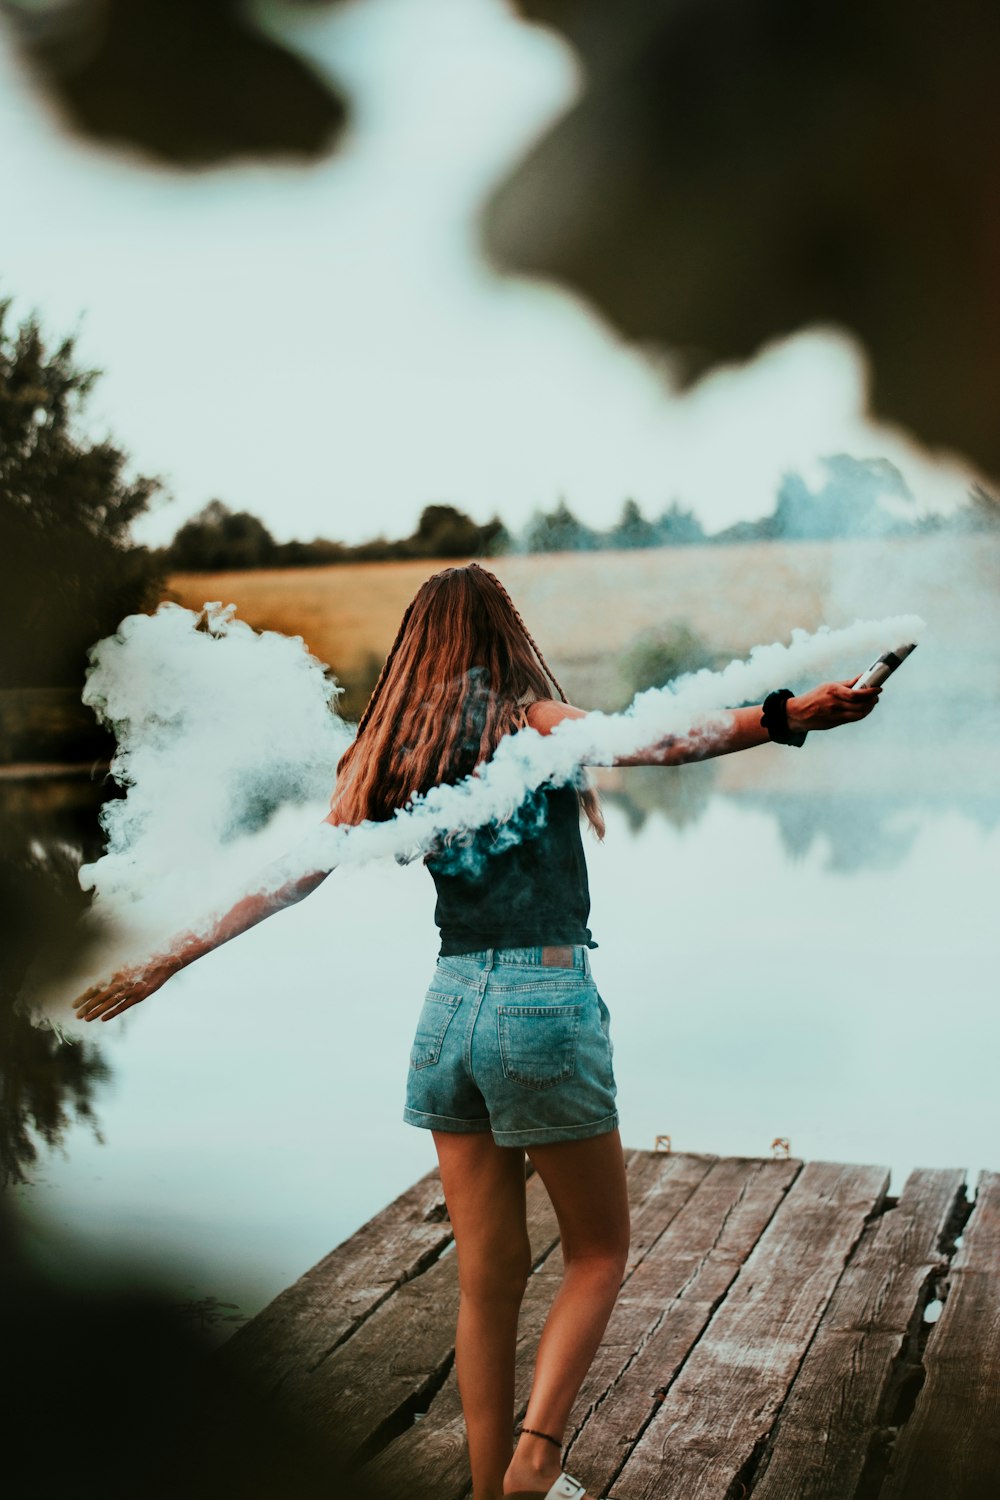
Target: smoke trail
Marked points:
217	722
526	760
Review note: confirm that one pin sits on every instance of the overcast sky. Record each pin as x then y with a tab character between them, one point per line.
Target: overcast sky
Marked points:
324	345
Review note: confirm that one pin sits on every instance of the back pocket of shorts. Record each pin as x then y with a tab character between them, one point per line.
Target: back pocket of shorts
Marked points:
432	1026
538	1043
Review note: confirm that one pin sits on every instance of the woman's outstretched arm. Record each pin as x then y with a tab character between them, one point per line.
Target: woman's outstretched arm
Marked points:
824	707
129	986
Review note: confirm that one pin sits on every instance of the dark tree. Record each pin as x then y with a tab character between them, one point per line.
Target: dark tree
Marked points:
495	539
679	527
558	531
68	570
632	530
444	531
315	554
848	504
217	539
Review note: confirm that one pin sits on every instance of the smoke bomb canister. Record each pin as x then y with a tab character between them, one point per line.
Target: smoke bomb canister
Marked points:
876	674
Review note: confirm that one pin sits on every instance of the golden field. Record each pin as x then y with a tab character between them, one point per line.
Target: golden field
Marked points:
586	608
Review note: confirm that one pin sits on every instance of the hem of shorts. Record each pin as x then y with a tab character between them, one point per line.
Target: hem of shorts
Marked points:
545	1135
443	1122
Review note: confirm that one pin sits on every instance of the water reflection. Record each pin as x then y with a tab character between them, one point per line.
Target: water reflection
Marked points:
756	987
52	1085
48	1083
681	796
859	828
857	833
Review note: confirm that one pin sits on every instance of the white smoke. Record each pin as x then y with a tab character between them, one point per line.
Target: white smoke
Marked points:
527	759
217	723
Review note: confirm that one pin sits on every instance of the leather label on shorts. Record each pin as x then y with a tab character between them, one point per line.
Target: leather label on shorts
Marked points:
557	958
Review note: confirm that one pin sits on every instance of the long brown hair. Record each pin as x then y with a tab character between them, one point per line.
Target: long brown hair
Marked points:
460	675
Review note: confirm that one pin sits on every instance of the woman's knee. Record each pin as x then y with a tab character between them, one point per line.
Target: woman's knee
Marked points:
494	1269
604	1261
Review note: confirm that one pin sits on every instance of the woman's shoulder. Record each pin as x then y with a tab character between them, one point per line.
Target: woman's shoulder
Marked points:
546	713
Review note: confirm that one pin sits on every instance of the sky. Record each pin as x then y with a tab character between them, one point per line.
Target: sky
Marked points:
327	346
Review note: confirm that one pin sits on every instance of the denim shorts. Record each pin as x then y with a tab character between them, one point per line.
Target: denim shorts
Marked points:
508	1044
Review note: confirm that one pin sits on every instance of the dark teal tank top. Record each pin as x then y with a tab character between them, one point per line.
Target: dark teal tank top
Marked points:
519	884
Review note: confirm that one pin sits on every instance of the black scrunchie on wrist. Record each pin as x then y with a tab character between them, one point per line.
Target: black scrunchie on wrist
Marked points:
775	718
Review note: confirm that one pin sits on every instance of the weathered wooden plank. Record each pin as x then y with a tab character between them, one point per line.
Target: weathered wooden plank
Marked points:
664	1308
658	1187
723	1402
401	1351
835	1403
316	1313
746	1326
430	1457
950	1447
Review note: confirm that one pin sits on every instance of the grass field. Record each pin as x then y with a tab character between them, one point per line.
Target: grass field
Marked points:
586	608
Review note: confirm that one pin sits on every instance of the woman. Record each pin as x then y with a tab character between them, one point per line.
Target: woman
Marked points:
512	1054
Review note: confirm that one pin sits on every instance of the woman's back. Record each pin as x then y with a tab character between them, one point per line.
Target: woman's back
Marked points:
518	884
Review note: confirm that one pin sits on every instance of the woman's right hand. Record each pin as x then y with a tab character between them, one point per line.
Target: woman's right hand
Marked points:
830	705
128	987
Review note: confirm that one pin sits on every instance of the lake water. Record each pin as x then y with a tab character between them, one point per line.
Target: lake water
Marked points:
792	944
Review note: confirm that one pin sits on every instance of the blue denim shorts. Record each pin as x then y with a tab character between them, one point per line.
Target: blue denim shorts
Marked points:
508	1044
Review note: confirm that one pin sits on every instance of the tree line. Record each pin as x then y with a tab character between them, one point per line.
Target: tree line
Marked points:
219	539
850	502
69	570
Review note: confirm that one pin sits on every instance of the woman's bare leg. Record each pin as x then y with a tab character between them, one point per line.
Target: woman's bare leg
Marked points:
586	1182
484	1190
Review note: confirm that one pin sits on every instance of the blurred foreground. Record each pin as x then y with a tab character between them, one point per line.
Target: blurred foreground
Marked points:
109	1392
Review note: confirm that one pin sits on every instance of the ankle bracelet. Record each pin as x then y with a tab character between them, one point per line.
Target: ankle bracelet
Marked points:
533	1432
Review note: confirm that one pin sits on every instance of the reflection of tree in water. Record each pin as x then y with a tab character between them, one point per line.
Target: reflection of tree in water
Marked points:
205	1312
680	793
46	1083
861	833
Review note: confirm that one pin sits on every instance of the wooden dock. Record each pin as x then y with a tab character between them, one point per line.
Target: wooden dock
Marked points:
775	1339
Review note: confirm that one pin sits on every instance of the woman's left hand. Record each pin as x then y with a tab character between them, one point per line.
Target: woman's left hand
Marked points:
128	987
830	705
